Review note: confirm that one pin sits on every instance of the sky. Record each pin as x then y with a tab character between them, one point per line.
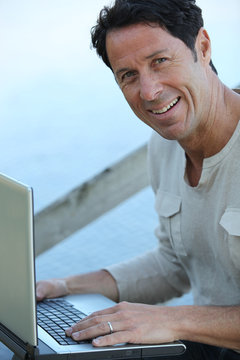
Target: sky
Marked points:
62	116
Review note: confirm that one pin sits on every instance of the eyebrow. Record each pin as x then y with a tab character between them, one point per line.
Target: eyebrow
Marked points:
158	52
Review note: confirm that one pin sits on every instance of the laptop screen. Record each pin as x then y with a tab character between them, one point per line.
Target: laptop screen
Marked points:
17	274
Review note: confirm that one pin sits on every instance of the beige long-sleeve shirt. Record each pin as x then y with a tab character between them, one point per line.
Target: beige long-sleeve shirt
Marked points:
199	230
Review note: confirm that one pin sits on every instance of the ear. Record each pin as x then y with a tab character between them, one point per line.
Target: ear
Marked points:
203	46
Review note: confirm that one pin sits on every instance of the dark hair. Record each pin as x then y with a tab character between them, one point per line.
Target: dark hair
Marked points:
181	18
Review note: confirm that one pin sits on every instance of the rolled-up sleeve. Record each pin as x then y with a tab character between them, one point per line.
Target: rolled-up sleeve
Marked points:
156	276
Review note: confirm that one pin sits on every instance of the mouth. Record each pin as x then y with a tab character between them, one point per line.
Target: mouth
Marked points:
166	108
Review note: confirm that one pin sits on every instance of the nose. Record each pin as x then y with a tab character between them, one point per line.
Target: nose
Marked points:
150	87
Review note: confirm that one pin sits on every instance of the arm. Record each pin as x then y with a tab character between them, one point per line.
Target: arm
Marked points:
214	325
137	323
151	278
96	282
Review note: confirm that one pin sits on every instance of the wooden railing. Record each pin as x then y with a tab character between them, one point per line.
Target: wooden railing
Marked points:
91	199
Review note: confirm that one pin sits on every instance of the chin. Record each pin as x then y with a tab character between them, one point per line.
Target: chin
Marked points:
171	134
177	131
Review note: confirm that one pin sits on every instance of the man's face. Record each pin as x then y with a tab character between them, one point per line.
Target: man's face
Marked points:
161	81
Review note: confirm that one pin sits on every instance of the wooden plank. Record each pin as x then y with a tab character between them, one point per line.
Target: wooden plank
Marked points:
237	90
90	200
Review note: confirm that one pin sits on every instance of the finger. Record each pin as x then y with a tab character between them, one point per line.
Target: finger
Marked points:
83	324
119	337
39	295
100	329
43	289
91	321
40	292
88	321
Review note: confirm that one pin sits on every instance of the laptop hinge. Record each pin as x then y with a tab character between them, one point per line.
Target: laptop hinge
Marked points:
16	345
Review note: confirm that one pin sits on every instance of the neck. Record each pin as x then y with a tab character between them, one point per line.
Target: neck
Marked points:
213	133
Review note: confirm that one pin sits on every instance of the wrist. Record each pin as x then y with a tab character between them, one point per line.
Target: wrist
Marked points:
96	282
62	287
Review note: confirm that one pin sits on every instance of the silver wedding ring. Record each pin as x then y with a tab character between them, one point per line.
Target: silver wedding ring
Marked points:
110	327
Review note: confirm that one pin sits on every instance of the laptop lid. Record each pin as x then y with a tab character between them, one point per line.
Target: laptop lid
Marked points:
17	272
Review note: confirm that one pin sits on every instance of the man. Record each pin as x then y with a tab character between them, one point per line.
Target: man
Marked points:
160	55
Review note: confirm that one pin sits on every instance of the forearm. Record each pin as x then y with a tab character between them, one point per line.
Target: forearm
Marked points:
100	282
96	282
214	325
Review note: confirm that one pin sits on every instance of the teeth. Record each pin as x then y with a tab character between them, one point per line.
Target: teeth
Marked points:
166	108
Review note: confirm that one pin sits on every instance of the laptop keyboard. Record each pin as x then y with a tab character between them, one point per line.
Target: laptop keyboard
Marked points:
55	316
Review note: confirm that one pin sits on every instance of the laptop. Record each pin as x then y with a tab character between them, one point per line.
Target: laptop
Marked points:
21	329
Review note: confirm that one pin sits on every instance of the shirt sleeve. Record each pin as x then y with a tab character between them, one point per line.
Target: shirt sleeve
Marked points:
153	277
157	275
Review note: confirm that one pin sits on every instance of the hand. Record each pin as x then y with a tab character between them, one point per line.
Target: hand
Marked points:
131	323
51	289
95	282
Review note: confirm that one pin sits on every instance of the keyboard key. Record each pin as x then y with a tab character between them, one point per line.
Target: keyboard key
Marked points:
54	316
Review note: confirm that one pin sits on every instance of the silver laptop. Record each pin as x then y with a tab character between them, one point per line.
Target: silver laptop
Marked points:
19	328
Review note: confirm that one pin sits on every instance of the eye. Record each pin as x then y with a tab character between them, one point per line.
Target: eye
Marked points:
160	60
128	75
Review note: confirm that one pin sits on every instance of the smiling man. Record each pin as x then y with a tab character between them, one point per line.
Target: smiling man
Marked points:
160	55
159	77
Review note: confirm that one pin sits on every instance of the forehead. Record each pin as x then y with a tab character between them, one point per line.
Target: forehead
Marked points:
139	41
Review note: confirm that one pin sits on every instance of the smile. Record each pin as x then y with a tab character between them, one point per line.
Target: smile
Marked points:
166	108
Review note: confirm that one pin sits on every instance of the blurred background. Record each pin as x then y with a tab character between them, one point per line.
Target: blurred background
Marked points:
62	117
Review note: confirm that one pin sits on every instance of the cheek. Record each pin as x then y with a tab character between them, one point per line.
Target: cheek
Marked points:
138	109
131	98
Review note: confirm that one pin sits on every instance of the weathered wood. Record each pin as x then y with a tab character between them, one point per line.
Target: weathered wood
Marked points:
90	200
